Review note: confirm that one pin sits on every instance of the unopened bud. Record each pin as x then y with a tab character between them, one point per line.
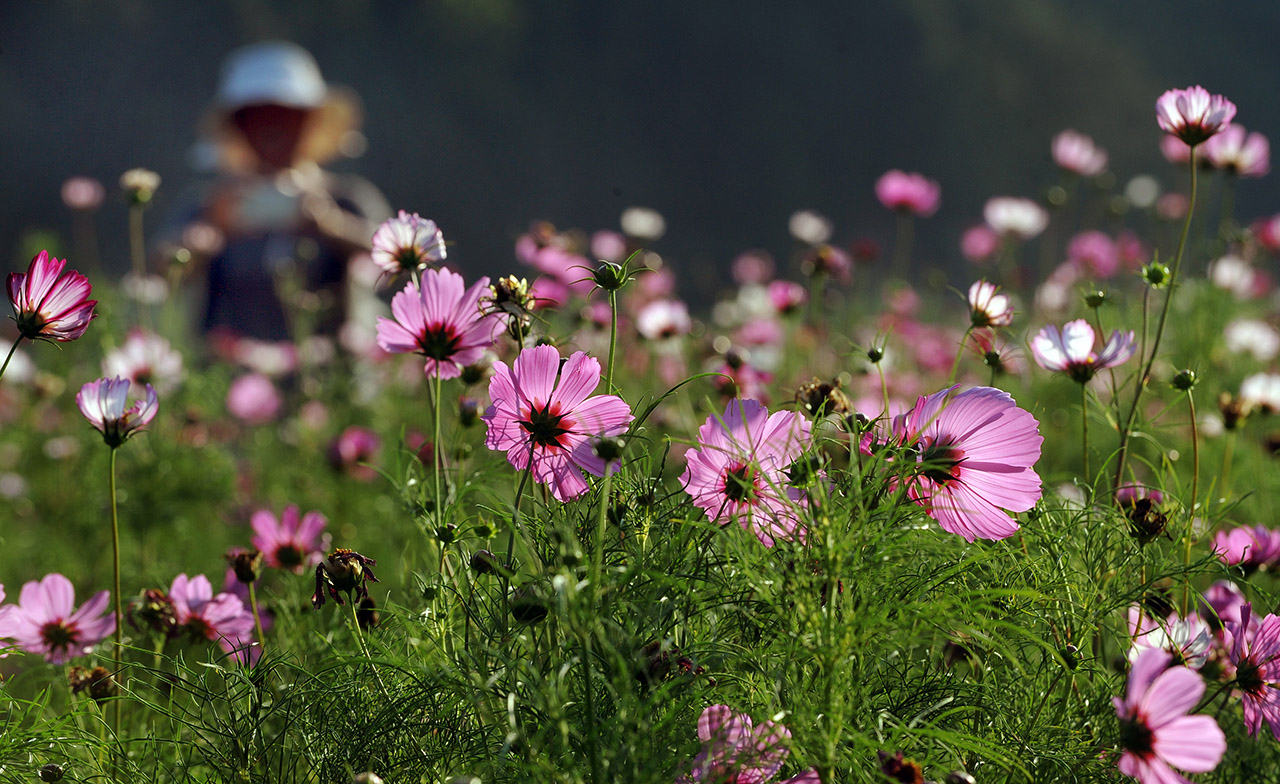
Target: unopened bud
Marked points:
1157	275
1184	380
247	564
608	448
610	276
875	354
51	772
1095	299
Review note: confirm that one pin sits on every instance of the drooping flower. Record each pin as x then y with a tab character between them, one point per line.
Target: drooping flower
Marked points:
988	307
407	242
1239	152
738	472
442	322
46	621
145	358
201	615
1155	730
909	193
975	454
1013	217
49	304
1069	350
1256	656
734	750
294	542
544	417
1193	115
103	403
1075	152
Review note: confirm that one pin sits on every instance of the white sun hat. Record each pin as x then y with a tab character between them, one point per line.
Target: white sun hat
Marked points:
271	72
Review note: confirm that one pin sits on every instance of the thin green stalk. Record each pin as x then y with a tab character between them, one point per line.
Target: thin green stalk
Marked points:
955	366
12	350
137	252
257	619
118	646
613	339
1145	375
1191	516
1229	448
435	453
511	535
1084	433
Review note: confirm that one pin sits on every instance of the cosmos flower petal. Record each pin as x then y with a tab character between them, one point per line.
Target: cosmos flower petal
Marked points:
1192	743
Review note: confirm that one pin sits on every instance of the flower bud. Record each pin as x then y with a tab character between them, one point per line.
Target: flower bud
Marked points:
1156	275
51	772
874	354
1146	522
468	411
608	448
1070	656
98	682
139	185
447	533
1095	299
527	604
247	564
1184	380
484	562
610	276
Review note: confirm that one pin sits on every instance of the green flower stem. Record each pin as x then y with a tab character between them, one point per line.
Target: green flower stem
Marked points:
613	339
118	646
1145	375
1084	432
12	350
257	618
511	535
955	366
1195	487
137	253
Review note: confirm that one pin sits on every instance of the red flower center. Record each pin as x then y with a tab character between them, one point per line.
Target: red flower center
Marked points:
439	342
546	426
740	483
57	636
941	463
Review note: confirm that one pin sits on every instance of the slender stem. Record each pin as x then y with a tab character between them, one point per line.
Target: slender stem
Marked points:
1191	516
1229	449
1155	342
137	244
1084	432
613	339
511	535
955	366
257	619
12	350
355	629
118	646
435	452
884	388
588	694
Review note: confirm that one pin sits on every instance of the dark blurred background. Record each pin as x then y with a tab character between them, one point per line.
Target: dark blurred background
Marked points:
724	116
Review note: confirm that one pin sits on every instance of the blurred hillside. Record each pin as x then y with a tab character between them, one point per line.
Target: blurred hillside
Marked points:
724	116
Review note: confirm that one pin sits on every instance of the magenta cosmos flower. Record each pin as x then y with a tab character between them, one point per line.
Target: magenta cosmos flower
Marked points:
975	451
1193	115
1156	731
103	403
545	418
910	193
1256	656
407	242
440	321
1069	350
46	621
1075	152
294	542
738	472
1239	152
49	304
203	616
1250	547
736	751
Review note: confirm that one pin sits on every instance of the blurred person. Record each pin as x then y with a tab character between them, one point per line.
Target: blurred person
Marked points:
272	237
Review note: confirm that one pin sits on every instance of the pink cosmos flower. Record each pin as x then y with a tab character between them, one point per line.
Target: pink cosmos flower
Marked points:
738	377
1241	153
828	260
83	193
1156	731
45	620
294	542
222	618
979	243
663	318
1250	547
253	399
753	266
734	750
608	245
1013	217
787	296
975	457
738	472
988	307
49	304
442	322
1069	350
1076	153
1193	115
1095	254
1223	602
911	193
407	242
353	450
103	403
1256	656
544	417
1188	640
145	358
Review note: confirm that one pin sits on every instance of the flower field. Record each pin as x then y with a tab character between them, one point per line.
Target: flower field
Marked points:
839	522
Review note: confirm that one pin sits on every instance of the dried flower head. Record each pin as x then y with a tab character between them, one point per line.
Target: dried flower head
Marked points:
344	571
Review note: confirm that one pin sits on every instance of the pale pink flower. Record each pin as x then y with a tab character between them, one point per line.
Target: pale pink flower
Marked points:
294	542
1256	656
608	245
223	618
753	266
1075	152
975	456
253	399
734	750
1013	217
1188	640
1192	114
979	243
1069	350
1175	150
544	417
49	304
787	296
910	193
46	621
1261	391
442	322
145	358
810	227
1249	547
1254	337
353	450
407	242
1241	153
1156	731
1172	206
102	402
738	472
83	193
1095	254
988	307
663	318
